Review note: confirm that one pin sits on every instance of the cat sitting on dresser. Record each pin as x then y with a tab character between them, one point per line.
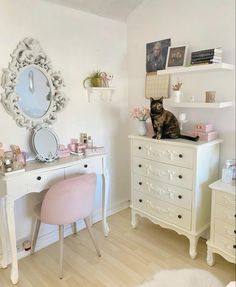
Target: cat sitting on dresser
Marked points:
165	124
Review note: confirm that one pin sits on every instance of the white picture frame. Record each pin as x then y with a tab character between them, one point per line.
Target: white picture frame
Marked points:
176	56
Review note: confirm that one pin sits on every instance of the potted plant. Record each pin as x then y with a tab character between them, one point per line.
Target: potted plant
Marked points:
95	79
177	93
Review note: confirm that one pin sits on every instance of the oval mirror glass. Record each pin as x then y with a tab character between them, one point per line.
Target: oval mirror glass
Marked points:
34	92
45	144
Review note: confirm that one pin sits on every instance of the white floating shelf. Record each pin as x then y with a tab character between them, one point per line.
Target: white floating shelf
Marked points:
197	68
100	93
219	105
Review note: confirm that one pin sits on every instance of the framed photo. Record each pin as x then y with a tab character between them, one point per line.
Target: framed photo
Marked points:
156	54
176	57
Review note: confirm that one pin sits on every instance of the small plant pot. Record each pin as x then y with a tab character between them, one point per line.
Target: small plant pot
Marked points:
177	96
97	82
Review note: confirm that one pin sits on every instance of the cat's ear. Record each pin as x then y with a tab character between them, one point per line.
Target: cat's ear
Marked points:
161	100
151	99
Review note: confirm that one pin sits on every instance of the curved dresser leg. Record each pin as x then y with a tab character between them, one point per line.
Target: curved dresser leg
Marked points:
12	237
105	189
210	257
3	234
134	219
193	240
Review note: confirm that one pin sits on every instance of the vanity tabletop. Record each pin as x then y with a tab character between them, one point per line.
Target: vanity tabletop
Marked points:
34	165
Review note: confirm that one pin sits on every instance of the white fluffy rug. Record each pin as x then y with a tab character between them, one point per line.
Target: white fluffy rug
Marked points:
183	278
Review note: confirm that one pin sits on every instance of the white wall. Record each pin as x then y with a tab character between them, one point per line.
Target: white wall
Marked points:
199	24
77	44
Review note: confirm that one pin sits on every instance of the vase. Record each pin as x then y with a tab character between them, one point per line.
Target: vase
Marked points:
177	96
142	128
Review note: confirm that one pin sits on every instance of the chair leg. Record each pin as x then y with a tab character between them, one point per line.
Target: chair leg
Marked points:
61	239
35	235
74	227
86	220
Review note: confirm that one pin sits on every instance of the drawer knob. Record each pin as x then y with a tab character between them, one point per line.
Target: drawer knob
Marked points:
139	147
140	200
235	215
85	166
234	246
179	196
139	165
180	176
179	216
39	177
180	155
235	231
140	183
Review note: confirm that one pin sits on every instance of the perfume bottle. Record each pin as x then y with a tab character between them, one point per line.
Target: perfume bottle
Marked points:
227	173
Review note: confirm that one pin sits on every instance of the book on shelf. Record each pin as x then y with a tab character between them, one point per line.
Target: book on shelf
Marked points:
213	51
207	57
206	62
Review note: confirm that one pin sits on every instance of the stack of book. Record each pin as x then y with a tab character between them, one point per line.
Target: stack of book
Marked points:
209	56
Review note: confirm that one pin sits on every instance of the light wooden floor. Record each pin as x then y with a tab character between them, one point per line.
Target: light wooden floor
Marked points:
129	257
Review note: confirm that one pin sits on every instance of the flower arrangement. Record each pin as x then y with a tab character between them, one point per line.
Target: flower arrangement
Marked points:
142	114
177	86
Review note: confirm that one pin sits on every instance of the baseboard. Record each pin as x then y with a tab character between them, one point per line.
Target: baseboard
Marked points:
52	237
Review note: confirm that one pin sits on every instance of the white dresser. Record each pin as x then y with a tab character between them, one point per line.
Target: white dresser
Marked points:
223	230
169	183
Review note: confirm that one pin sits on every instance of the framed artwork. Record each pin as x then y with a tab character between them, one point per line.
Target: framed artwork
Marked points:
176	57
156	54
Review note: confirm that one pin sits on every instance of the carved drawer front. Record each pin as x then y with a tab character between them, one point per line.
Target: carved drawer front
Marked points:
226	199
38	181
163	191
84	167
226	214
163	172
164	153
163	210
225	229
225	244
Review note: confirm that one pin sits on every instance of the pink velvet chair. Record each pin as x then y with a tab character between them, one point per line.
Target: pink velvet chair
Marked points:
66	202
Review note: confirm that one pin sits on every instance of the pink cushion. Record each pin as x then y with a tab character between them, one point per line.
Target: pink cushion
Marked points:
69	200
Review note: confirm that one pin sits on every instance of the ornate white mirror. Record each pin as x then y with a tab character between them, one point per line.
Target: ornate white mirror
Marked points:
32	90
45	144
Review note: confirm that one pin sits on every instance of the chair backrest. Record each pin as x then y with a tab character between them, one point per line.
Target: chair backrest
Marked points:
69	200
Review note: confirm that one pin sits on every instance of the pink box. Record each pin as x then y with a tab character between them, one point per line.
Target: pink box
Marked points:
206	136
204	127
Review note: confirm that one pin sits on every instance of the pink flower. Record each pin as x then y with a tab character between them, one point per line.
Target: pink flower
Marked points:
142	114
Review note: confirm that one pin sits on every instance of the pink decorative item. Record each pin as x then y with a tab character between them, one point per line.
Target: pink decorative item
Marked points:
63	151
204	127
205	136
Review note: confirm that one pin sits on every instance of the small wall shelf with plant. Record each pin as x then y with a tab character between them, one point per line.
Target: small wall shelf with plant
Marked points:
98	86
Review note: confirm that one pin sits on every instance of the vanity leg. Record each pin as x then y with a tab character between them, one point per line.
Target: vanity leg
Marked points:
134	219
3	233
193	240
12	237
105	190
210	257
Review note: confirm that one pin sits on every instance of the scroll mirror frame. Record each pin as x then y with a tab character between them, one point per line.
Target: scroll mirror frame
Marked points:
29	53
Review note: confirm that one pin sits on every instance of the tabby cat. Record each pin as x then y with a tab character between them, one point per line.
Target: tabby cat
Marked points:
165	124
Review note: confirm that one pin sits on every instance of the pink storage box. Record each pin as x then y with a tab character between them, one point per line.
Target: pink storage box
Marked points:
204	127
205	136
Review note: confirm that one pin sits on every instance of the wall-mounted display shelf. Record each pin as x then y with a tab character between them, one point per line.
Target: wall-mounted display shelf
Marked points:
100	94
197	68
218	105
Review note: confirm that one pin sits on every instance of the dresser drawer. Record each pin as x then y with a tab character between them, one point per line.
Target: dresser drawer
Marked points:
163	191
162	210
87	166
163	172
225	244
225	229
165	153
226	214
38	181
226	199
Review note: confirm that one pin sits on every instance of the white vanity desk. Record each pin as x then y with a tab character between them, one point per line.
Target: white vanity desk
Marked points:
37	177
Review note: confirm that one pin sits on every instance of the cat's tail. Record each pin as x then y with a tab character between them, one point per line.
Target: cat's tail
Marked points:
195	139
